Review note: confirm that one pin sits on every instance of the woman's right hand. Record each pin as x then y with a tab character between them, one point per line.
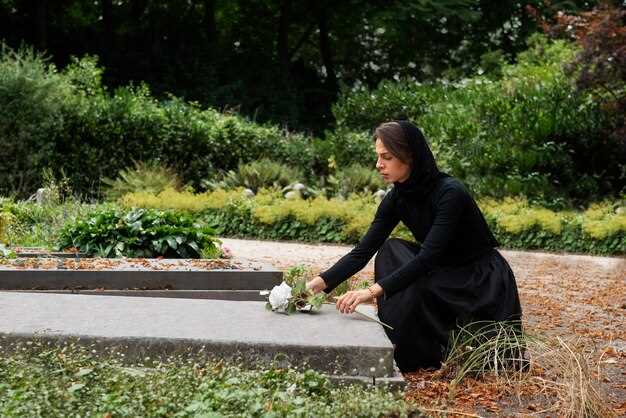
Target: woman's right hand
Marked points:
316	285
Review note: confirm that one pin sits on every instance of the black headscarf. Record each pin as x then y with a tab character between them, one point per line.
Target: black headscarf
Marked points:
424	171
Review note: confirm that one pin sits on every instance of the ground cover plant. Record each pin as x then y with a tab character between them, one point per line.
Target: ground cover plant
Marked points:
37	379
140	233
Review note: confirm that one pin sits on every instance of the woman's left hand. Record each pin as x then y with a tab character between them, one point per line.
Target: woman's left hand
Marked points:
350	300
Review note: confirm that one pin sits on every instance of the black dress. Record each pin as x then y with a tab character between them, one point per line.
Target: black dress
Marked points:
454	277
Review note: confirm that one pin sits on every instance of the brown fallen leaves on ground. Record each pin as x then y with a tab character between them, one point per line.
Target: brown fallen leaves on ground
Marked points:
581	301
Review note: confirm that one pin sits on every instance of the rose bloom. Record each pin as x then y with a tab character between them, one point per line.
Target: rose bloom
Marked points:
279	296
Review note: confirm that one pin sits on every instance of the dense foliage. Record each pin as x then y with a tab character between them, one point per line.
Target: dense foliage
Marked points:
281	61
150	177
529	132
37	379
601	229
68	123
139	233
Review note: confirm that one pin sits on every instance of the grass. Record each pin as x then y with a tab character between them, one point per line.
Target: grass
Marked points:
553	367
39	379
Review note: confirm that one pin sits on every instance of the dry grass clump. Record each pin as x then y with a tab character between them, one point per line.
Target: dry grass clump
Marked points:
558	371
562	370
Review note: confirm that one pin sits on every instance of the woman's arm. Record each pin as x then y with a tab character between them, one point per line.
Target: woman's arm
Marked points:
448	209
384	222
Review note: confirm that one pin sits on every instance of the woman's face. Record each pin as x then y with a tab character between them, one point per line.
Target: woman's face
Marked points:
389	166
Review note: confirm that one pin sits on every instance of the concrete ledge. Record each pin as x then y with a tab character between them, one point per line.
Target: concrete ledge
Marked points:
138	279
239	295
242	331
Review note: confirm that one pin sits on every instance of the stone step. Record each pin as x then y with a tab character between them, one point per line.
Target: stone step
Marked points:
328	341
226	279
239	295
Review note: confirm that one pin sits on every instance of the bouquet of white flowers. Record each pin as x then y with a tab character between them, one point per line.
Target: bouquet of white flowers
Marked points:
288	299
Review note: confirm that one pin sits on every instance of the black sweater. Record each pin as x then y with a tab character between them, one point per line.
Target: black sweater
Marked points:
448	224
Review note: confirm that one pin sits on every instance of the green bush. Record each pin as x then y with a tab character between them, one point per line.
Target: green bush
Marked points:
33	96
601	229
529	132
144	177
255	175
356	178
139	233
68	122
34	225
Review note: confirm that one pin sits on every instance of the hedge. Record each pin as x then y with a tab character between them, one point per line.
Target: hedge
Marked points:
530	132
601	229
66	121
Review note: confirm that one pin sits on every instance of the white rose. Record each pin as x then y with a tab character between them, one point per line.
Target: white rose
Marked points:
279	296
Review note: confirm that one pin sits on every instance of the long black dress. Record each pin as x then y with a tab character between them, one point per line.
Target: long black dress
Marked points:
455	276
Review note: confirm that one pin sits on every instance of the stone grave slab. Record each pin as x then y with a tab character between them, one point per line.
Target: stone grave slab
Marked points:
328	341
216	279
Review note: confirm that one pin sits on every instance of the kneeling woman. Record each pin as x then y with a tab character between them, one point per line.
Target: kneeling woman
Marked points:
454	277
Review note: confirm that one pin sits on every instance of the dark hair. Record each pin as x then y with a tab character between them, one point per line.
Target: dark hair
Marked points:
393	138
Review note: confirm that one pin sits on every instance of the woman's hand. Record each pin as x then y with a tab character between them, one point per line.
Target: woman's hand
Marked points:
348	302
316	285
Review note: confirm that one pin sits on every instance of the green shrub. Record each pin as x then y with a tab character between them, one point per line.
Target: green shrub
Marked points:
32	99
516	224
357	179
139	233
149	177
529	132
255	175
68	122
35	225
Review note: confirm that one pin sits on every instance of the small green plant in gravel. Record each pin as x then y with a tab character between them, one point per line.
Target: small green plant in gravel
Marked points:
139	233
37	379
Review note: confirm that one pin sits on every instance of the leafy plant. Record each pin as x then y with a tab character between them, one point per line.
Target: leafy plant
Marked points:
151	177
72	380
255	175
356	179
6	252
139	233
5	220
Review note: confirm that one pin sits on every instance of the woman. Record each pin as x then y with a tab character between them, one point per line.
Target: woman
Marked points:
454	277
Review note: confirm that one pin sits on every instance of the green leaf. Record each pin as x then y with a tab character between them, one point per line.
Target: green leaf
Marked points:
75	387
172	242
84	371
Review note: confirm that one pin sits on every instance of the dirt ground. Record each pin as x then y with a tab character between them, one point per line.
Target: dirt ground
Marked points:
580	299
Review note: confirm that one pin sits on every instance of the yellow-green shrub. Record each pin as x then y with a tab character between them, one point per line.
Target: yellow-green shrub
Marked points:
515	223
514	215
601	221
5	220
